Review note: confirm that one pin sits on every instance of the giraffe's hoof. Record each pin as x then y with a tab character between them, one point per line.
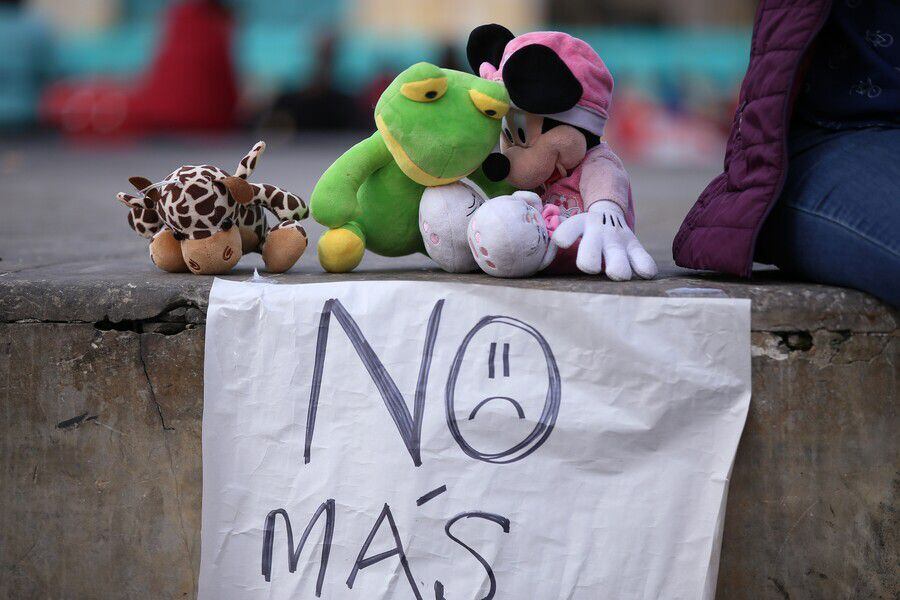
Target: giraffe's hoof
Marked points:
284	246
340	250
165	252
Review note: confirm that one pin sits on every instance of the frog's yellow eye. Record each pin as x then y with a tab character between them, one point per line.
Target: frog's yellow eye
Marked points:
426	90
488	106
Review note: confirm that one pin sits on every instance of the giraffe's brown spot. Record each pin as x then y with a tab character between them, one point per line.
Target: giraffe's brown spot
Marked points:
182	208
131	220
220	188
277	201
217	214
184	221
202	235
247	215
292	202
196	191
204	207
140	227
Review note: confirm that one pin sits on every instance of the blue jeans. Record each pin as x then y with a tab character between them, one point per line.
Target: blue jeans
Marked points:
838	219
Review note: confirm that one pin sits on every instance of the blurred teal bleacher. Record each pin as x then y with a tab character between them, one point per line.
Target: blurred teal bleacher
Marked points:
275	43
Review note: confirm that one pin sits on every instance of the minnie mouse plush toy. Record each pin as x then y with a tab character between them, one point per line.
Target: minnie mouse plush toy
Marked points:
552	144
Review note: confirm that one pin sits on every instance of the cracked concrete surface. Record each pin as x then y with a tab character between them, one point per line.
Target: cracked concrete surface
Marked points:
101	474
162	418
101	387
105	505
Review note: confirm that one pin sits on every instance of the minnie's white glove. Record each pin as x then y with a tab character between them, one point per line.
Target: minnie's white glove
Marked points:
605	238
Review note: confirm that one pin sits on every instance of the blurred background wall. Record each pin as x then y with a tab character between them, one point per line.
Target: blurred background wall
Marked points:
97	69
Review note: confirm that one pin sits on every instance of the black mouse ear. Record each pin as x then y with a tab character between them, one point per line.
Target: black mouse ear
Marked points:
538	81
486	44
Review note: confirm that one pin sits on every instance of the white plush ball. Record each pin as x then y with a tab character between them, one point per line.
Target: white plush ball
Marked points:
444	213
509	237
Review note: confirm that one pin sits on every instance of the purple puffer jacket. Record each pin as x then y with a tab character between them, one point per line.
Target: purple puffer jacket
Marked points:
719	233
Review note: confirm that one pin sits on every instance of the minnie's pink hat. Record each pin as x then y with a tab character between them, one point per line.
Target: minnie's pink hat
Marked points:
592	109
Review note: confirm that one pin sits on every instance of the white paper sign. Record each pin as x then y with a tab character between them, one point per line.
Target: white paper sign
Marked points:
456	442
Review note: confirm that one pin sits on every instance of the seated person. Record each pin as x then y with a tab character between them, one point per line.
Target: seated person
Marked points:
828	210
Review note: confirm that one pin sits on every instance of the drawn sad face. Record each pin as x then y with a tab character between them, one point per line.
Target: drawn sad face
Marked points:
503	391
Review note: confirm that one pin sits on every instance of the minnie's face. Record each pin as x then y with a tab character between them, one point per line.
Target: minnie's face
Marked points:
535	148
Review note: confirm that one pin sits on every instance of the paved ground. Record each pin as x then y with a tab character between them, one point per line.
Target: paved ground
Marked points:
68	254
59	204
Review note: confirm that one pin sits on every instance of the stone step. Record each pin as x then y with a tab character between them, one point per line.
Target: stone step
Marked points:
101	384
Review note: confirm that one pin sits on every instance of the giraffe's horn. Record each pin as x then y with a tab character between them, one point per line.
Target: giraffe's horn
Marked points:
143	202
248	163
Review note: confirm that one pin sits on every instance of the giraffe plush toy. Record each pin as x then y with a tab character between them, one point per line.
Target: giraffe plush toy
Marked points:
201	219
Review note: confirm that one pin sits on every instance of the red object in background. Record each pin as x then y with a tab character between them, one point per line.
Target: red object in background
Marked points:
372	91
644	131
190	85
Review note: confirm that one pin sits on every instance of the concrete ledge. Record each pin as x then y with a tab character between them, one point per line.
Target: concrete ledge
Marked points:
131	290
101	387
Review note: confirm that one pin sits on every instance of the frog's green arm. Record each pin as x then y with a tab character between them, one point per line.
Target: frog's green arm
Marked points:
333	202
491	188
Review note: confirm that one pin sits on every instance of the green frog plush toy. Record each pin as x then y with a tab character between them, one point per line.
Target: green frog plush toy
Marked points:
435	126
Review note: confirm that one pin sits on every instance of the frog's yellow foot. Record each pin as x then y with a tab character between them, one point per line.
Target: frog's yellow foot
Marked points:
340	250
